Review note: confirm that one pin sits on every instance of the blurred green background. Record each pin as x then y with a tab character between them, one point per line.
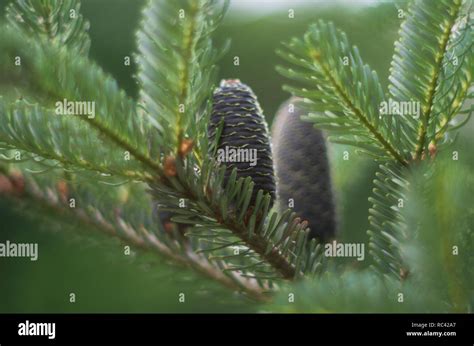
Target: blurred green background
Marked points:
93	267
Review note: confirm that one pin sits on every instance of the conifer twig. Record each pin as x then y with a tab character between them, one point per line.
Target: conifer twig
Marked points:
434	80
30	193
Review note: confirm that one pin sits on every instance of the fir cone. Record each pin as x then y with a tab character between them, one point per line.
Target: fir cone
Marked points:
244	142
302	170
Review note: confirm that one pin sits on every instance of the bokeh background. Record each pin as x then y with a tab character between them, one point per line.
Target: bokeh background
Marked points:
94	267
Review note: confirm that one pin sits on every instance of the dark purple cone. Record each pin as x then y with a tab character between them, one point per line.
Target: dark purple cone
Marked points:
244	128
302	170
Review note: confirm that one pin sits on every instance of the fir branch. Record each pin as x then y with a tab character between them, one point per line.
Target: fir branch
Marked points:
55	21
167	40
350	113
440	245
358	113
74	78
429	76
455	82
52	200
189	41
280	240
59	137
387	224
60	23
356	292
417	66
177	65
